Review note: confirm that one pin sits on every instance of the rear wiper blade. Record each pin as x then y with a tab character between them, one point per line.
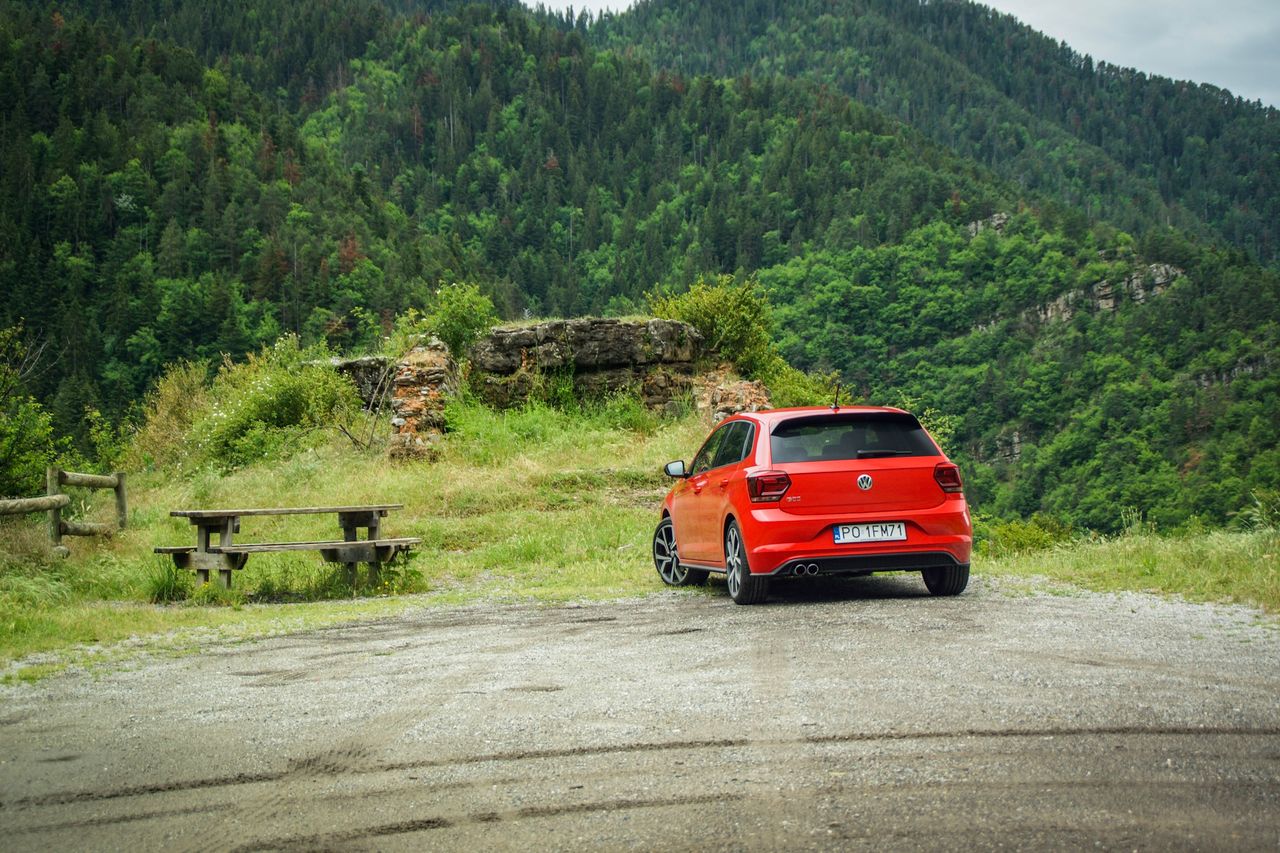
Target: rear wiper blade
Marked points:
876	454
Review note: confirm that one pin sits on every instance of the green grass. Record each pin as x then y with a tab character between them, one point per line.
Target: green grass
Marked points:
531	505
1224	566
535	504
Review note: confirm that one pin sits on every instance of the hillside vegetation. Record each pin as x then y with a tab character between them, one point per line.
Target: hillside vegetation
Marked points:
1074	263
537	504
1107	142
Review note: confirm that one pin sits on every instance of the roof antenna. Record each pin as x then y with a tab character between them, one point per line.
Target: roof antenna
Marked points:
835	404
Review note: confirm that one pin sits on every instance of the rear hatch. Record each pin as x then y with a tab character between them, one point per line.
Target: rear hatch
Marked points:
826	455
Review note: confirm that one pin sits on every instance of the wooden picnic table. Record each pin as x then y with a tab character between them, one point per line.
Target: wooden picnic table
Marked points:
225	556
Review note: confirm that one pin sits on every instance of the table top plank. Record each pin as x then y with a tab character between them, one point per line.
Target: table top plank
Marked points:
301	510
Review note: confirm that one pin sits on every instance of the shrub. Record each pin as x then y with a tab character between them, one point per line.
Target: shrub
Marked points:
1007	538
459	314
732	316
1264	512
26	446
791	387
264	406
26	429
169	412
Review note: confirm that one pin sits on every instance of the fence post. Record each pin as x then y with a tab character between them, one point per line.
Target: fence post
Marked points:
53	483
122	501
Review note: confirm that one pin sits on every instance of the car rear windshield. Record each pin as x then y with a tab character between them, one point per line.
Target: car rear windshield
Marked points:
853	436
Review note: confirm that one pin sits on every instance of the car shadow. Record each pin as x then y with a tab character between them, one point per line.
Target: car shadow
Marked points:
869	587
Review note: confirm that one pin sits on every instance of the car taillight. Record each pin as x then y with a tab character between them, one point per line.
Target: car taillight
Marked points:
768	486
948	476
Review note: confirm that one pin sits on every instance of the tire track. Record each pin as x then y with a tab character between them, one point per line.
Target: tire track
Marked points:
340	761
329	840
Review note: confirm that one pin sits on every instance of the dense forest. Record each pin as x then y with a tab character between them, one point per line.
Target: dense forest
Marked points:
942	206
1112	142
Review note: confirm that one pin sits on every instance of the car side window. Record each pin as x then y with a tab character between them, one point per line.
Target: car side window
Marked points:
736	443
702	462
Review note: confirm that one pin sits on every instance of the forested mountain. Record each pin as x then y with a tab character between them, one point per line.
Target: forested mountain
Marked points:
1112	142
180	180
154	208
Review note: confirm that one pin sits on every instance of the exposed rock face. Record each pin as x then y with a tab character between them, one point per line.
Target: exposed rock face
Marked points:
996	222
371	374
721	394
654	358
1139	286
424	380
1009	446
585	358
1246	367
586	344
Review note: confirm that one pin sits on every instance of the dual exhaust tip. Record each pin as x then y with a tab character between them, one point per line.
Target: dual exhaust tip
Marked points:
804	569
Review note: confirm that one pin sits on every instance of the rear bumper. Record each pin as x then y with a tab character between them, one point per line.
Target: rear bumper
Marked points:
778	542
865	564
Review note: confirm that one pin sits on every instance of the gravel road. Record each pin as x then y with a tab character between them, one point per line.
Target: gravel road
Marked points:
842	714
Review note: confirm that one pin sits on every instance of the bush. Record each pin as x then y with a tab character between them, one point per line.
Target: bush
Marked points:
26	447
791	387
733	319
1264	512
732	316
265	406
170	410
1007	538
26	429
459	314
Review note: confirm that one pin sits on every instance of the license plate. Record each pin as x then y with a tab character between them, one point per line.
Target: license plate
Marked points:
880	531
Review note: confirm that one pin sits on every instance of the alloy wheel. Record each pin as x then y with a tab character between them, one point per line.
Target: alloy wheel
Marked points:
733	560
666	556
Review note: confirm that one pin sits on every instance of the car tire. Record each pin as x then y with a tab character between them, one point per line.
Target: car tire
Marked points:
666	558
947	580
744	587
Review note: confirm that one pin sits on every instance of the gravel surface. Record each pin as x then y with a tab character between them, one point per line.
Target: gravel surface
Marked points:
842	714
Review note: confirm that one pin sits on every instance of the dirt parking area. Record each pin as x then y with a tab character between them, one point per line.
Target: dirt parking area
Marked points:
842	714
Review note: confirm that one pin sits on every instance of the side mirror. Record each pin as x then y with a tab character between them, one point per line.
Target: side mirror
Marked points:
675	469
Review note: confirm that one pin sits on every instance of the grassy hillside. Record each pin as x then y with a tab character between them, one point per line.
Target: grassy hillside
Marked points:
535	504
176	184
531	505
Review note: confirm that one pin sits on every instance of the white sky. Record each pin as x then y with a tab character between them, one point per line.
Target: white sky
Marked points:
1234	44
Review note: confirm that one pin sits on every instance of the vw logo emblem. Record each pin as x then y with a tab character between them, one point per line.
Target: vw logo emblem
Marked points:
864	482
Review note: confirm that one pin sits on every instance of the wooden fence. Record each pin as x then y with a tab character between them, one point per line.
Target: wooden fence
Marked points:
56	501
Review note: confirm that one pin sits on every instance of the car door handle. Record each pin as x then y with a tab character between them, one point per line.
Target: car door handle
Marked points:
724	482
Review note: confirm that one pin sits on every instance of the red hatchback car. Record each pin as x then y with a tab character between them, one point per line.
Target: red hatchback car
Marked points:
815	491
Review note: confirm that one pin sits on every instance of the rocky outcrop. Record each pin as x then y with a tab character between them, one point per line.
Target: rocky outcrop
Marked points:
1139	286
1245	367
372	377
721	395
586	358
424	380
657	360
996	222
586	344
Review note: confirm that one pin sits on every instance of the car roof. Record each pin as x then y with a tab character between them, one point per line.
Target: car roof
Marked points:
770	417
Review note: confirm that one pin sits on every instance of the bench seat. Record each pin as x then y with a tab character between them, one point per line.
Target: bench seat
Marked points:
332	544
174	549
